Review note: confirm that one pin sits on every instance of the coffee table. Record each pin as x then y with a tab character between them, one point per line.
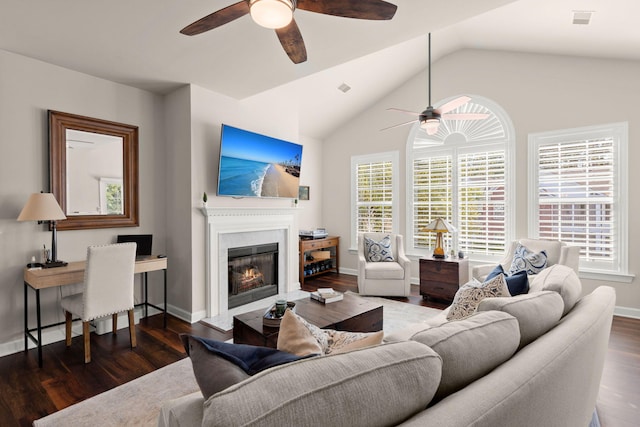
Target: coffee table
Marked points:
353	314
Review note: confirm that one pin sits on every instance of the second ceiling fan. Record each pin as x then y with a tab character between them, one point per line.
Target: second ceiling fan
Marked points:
278	15
430	118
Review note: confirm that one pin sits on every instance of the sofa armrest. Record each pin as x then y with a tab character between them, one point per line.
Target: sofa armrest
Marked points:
481	271
185	411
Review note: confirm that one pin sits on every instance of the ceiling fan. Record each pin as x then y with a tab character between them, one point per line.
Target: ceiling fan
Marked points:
278	15
430	118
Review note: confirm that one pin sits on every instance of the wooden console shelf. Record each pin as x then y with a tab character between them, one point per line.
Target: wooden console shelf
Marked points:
310	267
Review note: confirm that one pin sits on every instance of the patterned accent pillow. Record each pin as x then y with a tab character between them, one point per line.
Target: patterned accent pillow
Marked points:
299	337
378	251
529	261
471	293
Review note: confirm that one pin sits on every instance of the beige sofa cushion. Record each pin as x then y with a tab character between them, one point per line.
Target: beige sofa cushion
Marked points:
536	312
561	279
384	270
471	348
377	386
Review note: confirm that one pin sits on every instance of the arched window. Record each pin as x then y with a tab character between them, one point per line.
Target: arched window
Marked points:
463	174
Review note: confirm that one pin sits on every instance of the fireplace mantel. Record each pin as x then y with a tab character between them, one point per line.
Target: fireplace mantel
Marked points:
222	222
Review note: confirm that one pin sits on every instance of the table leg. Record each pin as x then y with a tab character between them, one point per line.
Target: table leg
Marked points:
165	298
39	327
26	319
146	296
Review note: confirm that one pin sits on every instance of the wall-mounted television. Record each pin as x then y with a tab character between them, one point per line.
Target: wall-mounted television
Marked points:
254	165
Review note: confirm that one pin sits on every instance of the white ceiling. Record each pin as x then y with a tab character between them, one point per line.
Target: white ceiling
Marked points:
137	42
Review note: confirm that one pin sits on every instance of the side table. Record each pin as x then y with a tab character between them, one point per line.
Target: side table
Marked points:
441	278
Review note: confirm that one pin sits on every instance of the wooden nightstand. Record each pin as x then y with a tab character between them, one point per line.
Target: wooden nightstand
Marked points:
441	278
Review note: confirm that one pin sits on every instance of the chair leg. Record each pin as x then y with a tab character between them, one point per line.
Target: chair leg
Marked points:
87	342
132	329
114	323
68	317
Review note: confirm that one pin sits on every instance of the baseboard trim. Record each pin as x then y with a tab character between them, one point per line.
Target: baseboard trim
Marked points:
633	313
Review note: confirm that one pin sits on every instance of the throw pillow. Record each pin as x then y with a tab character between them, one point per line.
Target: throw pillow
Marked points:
218	365
471	293
529	261
297	336
378	251
517	283
561	279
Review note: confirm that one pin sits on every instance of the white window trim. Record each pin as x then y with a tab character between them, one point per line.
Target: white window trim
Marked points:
510	174
620	132
388	156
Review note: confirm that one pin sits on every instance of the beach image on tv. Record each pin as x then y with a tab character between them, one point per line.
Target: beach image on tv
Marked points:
256	165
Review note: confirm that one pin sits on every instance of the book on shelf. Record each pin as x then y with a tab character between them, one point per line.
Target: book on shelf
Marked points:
326	295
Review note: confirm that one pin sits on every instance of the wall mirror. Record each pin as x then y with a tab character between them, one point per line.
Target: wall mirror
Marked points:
93	171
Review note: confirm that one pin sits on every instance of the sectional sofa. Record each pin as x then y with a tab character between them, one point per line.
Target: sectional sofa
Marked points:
531	360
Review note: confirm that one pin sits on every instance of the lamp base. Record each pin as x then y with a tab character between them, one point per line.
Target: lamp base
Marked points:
54	264
439	256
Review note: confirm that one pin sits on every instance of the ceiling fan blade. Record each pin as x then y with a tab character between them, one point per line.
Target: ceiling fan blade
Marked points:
216	19
453	104
398	125
465	116
359	9
292	42
413	113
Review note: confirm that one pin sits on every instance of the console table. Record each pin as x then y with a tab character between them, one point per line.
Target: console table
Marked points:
313	267
74	273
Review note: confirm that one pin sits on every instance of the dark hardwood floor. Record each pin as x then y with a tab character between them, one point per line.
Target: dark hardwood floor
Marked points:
28	392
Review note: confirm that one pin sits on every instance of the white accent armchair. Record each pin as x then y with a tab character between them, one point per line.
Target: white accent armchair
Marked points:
557	253
384	278
107	290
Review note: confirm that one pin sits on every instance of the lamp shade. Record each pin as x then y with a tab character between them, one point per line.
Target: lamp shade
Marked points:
41	207
271	13
439	225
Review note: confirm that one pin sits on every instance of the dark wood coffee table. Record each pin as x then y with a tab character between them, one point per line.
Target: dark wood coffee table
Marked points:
353	314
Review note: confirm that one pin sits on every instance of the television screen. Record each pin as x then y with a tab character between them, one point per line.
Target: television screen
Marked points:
254	165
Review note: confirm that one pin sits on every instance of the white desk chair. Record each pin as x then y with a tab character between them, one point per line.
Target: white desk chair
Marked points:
108	290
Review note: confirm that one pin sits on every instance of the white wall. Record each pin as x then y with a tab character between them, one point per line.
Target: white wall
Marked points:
193	152
29	88
539	92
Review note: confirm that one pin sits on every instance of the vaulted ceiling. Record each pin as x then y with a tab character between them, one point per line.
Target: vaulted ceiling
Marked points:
138	43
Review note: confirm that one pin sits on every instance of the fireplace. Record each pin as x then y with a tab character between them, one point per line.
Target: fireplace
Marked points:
229	228
252	273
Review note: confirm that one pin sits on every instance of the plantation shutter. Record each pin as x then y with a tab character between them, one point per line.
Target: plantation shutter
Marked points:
481	202
432	188
374	189
576	194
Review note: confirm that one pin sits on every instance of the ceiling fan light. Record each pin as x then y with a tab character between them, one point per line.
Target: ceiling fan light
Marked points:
272	14
430	125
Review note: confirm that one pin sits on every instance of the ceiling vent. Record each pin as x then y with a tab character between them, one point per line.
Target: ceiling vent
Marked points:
582	17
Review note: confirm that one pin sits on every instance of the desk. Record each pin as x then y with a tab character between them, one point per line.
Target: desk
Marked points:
74	273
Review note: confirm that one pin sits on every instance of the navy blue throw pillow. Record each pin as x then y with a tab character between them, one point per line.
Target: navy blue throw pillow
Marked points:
252	359
517	283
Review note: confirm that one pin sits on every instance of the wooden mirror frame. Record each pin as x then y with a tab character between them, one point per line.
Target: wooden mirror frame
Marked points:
58	124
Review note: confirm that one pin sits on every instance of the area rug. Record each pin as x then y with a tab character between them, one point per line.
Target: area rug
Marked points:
397	315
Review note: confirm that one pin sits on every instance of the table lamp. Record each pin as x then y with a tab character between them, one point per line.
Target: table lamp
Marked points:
45	207
439	226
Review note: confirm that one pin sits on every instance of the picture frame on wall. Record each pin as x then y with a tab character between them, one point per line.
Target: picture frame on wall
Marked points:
303	192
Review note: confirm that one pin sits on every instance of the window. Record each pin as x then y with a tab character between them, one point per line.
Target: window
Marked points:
461	174
374	190
578	192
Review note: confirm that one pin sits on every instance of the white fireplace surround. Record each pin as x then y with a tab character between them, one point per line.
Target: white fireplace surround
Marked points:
238	227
